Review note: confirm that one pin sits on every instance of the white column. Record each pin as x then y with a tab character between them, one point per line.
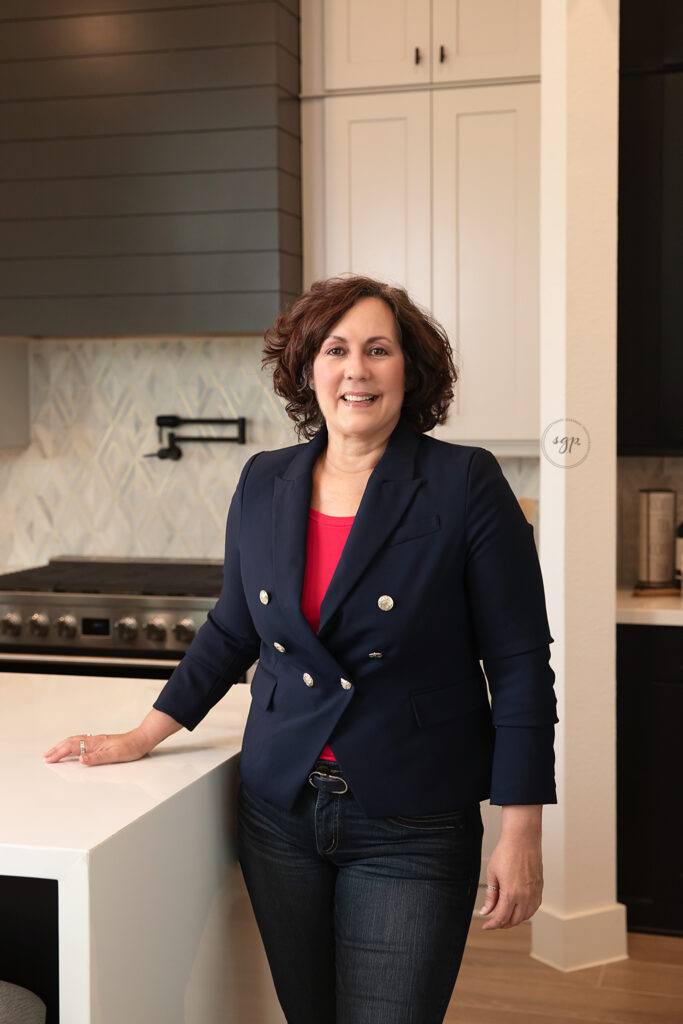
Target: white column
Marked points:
580	922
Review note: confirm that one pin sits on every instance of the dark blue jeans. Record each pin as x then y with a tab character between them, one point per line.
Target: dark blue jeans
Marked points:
364	920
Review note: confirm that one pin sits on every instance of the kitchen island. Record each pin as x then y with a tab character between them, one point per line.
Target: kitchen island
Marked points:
143	854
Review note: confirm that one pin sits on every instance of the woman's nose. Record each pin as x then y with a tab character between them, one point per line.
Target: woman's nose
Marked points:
356	368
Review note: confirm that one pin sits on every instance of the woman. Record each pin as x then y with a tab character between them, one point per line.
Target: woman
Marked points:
370	571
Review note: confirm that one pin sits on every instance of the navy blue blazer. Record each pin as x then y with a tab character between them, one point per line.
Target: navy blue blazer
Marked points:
440	532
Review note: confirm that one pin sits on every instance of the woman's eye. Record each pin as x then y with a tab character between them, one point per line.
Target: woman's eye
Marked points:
378	350
333	350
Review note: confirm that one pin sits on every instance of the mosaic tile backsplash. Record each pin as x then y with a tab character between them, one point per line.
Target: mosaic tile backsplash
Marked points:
83	485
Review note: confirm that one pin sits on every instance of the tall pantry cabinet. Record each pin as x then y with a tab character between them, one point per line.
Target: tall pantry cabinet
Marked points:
420	129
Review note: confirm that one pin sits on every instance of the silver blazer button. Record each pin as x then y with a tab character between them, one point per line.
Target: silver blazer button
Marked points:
308	679
279	647
264	596
386	603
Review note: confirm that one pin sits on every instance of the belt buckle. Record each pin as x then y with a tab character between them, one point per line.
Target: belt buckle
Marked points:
329	775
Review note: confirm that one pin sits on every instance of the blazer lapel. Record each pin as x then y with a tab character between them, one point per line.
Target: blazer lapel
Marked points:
389	491
291	504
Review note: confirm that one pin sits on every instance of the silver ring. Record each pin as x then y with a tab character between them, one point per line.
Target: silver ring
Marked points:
494	887
82	747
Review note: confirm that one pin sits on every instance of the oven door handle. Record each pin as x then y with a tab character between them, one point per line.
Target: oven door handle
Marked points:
88	659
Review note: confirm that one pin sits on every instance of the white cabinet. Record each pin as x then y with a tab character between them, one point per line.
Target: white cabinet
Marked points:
370	43
373	43
438	191
433	185
377	207
485	159
14	395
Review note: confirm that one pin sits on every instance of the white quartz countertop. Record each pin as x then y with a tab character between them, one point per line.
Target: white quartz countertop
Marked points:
648	611
68	806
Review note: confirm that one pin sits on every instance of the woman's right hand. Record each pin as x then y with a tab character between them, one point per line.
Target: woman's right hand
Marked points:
101	749
114	748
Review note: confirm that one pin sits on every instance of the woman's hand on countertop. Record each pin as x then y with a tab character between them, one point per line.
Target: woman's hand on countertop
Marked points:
515	868
101	749
117	747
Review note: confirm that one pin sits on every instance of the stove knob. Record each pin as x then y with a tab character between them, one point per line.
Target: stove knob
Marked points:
39	624
126	628
155	629
185	630
66	626
11	624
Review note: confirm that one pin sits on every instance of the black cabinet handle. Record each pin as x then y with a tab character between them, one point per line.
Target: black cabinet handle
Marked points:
417	55
442	54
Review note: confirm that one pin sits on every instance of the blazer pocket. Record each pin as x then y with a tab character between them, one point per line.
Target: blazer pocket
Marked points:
417	527
433	707
262	688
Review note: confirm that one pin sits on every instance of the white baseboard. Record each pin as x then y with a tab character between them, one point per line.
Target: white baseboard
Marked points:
570	942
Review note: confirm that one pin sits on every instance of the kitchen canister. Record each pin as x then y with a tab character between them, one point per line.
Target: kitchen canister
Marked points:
656	538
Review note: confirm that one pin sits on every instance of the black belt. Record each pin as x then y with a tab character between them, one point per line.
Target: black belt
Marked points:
328	779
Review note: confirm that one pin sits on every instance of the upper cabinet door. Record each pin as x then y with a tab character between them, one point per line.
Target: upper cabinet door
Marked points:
485	256
479	39
377	188
372	43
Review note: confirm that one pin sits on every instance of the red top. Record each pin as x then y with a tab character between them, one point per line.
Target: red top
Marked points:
324	545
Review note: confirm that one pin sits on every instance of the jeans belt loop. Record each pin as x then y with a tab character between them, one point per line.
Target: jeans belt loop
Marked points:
328	783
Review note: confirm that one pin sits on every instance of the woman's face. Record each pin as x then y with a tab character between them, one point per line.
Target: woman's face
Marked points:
359	373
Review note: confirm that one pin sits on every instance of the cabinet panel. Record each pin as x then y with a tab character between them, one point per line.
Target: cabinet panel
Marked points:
649	839
377	203
485	256
373	42
651	35
650	300
494	39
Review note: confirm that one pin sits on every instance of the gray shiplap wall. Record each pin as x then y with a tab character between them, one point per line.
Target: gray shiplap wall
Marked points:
149	166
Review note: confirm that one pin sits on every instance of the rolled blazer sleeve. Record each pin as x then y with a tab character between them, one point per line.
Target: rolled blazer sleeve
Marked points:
225	646
509	619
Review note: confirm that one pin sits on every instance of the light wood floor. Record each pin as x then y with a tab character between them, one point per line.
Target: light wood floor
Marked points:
499	983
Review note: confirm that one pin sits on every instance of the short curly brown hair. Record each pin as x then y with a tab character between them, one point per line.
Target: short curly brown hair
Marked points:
294	340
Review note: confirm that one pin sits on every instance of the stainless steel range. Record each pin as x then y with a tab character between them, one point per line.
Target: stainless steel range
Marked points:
113	616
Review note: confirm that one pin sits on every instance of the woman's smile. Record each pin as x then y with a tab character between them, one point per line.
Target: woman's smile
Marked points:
358	399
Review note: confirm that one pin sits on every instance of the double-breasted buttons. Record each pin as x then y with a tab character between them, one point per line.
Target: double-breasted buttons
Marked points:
386	603
308	679
264	596
375	654
279	647
346	684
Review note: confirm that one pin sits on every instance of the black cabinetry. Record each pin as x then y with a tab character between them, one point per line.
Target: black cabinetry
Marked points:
651	35
649	774
650	313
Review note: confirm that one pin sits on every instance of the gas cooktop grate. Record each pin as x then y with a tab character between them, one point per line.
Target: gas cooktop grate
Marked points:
156	577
